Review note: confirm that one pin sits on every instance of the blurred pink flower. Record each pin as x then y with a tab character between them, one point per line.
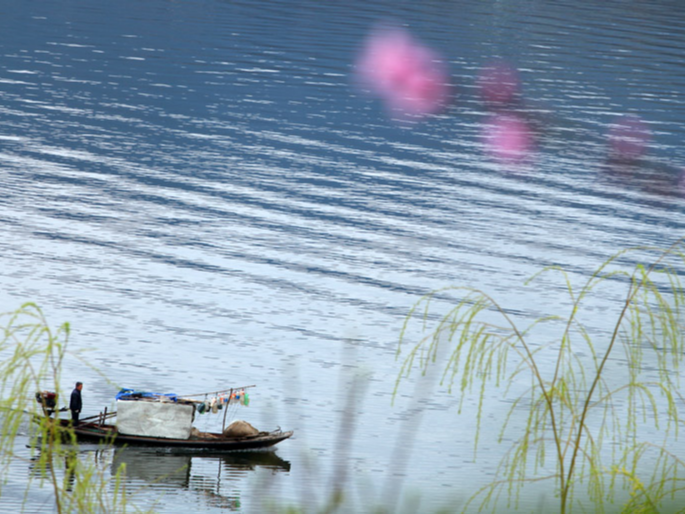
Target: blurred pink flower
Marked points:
628	138
499	84
407	75
508	139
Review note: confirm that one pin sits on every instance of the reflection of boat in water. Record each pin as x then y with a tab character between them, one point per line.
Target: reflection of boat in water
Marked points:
150	465
213	475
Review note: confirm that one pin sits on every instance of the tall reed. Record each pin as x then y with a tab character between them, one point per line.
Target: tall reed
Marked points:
589	395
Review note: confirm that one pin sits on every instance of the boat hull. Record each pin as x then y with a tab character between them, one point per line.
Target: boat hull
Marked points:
94	432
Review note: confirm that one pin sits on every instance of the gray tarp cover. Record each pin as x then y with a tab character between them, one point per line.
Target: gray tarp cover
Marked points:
154	419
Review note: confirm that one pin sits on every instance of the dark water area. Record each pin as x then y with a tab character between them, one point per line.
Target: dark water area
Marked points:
202	189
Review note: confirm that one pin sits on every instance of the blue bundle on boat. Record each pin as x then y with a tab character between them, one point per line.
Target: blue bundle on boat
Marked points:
132	394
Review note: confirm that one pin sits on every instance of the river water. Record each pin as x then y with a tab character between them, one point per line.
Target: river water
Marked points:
204	192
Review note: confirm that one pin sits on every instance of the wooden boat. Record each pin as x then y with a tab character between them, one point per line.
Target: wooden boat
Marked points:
100	432
161	420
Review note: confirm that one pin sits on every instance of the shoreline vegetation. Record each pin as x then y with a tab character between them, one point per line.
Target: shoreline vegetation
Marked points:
585	414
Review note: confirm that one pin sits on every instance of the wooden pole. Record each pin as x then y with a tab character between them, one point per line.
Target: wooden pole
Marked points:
223	425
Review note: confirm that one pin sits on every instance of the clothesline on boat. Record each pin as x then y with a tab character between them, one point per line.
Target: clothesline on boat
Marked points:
230	389
220	400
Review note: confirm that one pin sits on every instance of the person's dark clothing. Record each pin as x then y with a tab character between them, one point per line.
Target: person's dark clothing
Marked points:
75	405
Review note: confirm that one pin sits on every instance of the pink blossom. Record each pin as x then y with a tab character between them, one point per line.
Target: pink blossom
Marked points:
508	139
405	74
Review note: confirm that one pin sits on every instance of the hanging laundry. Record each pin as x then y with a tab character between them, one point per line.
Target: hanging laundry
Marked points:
220	400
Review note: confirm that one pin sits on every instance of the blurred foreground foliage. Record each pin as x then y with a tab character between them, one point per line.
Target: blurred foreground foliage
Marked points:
602	408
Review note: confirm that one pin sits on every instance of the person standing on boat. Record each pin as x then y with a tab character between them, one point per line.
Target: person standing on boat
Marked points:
76	404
